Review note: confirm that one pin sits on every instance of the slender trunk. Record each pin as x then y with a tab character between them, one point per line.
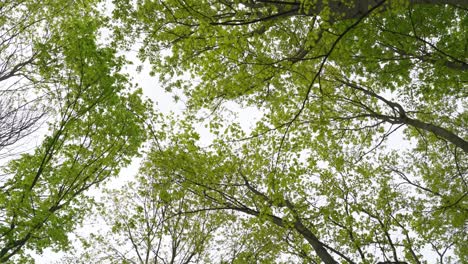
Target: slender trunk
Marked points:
438	131
404	119
314	242
321	251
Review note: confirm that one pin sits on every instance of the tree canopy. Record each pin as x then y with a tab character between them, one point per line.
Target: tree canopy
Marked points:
95	122
360	154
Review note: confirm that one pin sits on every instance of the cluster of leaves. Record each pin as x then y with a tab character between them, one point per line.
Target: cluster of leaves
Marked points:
95	121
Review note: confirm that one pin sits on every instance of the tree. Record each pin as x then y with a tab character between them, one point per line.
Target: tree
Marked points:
342	212
334	82
96	121
19	115
17	120
153	220
250	43
145	226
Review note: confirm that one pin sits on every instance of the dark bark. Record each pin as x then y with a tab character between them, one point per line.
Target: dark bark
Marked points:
439	131
321	251
314	242
298	225
404	119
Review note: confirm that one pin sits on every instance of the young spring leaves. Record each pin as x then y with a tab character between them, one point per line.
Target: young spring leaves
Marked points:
333	86
95	128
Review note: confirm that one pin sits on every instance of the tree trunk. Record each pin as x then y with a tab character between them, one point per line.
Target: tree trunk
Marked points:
438	131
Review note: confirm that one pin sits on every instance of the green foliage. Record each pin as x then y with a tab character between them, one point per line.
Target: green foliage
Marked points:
95	127
320	178
146	227
334	83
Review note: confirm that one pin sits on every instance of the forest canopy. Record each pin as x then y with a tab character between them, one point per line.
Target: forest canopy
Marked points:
359	154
